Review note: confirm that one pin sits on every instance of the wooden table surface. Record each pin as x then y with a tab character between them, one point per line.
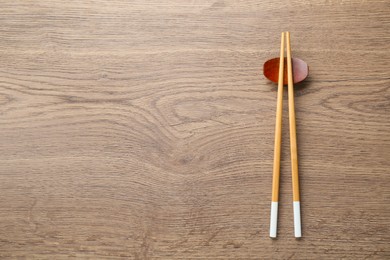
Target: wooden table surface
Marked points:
145	129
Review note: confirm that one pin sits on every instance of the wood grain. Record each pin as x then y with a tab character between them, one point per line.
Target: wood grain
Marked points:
144	129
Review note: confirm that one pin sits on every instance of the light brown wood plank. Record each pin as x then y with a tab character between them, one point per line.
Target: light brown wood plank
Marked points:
144	130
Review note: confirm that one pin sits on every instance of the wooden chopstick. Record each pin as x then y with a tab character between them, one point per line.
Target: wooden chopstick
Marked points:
293	143
277	147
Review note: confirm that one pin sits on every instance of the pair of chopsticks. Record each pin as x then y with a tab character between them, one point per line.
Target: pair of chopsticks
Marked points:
293	143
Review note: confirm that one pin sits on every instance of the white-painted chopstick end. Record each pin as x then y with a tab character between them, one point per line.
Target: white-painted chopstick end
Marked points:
274	220
297	219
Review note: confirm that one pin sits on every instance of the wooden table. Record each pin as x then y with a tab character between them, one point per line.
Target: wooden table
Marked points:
145	129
